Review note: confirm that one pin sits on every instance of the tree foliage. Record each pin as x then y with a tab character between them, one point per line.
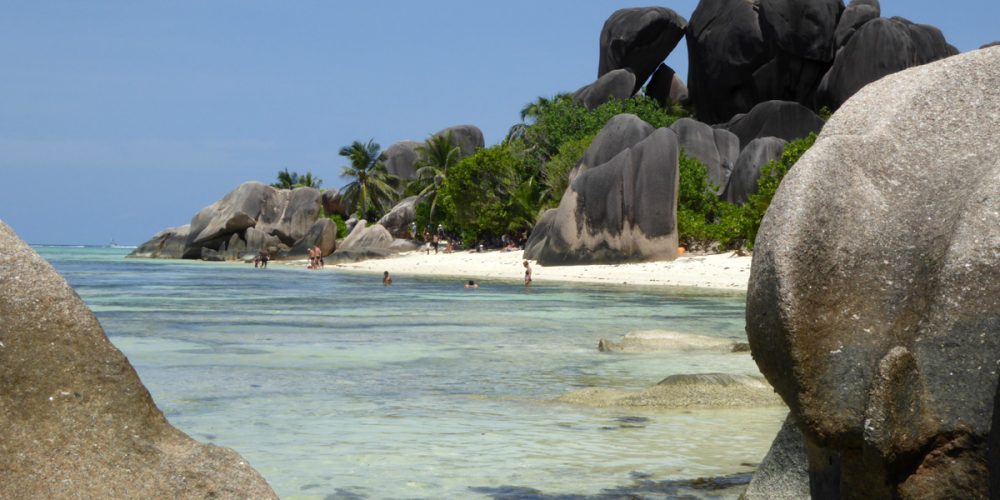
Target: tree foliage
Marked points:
435	158
371	191
292	180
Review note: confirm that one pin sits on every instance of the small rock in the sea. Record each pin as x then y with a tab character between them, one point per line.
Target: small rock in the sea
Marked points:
741	347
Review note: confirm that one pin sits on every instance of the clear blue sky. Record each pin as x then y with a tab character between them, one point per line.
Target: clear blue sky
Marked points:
118	119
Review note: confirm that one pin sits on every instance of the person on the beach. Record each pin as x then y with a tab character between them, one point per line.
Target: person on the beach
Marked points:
386	279
471	284
527	274
312	258
263	257
413	230
436	242
450	248
319	257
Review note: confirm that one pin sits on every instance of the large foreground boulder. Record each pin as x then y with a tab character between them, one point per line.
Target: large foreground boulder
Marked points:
75	419
784	472
639	39
872	306
622	210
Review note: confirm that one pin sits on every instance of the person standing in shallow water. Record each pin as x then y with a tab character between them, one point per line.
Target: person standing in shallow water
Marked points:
527	274
386	279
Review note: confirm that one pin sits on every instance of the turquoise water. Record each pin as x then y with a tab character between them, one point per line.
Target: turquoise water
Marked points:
334	386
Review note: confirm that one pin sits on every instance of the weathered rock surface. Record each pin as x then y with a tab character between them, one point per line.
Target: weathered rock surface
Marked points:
401	159
784	473
166	244
991	44
322	234
617	84
662	340
715	148
873	298
253	217
706	390
879	48
856	15
725	47
743	181
333	202
622	210
666	87
801	29
639	39
781	119
467	137
398	220
365	242
620	133
75	419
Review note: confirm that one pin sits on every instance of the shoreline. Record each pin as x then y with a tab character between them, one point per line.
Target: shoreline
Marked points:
712	272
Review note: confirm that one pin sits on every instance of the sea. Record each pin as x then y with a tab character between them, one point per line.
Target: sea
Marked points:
334	386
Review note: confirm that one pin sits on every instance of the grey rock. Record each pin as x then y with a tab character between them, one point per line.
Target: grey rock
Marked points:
400	245
398	220
801	29
725	48
991	44
467	137
622	210
236	248
879	48
873	292
716	149
781	119
76	420
166	244
620	133
291	214
236	211
401	159
666	87
365	242
211	255
539	237
617	84
639	39
784	473
333	203
322	234
743	181
351	223
702	390
257	241
857	14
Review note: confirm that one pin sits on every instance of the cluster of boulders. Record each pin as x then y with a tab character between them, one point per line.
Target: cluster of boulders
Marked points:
76	420
286	223
252	218
873	301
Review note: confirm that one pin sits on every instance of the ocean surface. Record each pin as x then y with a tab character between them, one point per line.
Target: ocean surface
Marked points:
334	386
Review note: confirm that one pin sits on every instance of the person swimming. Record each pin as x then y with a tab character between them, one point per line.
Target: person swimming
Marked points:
471	284
386	279
527	274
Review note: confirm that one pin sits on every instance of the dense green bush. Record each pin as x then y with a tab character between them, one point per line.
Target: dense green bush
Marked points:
558	167
337	220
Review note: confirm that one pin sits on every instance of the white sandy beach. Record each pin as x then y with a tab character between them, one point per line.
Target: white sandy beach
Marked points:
716	272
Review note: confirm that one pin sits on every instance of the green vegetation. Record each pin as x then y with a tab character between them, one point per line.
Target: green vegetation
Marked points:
704	221
337	220
292	180
371	192
437	156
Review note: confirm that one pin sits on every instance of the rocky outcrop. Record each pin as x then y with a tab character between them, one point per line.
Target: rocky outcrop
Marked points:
322	234
704	390
365	242
743	181
620	133
398	220
166	244
333	203
617	84
880	47
467	137
872	303
401	159
715	148
666	87
622	210
75	419
639	39
991	44
253	217
784	473
781	119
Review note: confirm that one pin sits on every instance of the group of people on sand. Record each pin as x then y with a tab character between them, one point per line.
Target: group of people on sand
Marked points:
260	260
387	278
316	258
435	239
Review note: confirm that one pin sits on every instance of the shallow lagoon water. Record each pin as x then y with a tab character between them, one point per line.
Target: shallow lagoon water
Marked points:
334	386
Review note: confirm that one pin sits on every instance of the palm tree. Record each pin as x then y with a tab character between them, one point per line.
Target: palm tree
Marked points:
436	156
292	180
309	180
371	191
533	109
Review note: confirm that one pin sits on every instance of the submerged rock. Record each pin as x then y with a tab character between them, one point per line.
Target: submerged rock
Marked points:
75	419
166	244
708	390
872	305
661	340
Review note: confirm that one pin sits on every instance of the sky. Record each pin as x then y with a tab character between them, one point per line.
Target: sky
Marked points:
121	118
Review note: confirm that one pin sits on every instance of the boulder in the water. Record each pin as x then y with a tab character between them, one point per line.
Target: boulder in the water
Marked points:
166	244
76	420
784	473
